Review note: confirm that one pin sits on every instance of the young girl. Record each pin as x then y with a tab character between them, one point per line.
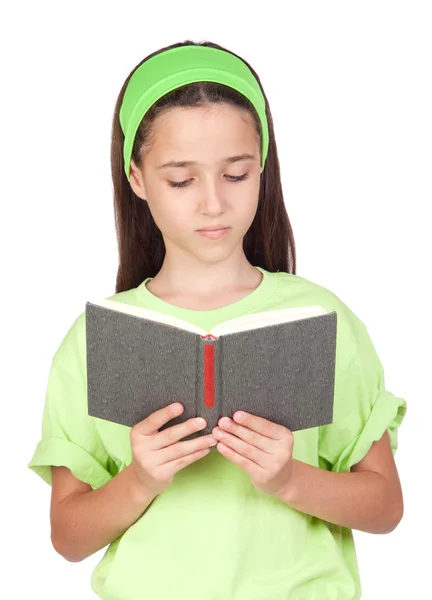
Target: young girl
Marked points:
252	511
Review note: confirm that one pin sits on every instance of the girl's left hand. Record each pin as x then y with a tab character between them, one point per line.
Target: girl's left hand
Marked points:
260	447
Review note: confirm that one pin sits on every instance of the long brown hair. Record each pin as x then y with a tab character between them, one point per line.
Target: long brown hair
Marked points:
269	242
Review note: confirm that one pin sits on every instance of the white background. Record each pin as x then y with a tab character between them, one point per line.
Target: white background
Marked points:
349	86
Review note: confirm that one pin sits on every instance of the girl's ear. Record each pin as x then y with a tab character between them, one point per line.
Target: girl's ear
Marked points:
137	182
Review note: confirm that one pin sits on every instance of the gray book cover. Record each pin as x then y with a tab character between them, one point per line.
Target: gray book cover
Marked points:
282	372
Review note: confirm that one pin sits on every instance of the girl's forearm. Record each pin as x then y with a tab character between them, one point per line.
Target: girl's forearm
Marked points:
85	522
360	500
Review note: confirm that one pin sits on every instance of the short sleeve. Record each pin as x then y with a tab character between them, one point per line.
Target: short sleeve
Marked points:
69	435
363	410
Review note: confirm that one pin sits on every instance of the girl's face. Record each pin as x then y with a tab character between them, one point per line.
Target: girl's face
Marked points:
209	190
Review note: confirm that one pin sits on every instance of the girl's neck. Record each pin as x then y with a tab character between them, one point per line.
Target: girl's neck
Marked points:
204	298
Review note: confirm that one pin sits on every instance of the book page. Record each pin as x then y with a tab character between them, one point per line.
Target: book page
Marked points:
263	319
151	315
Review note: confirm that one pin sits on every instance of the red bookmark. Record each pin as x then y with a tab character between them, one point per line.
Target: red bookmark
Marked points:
209	372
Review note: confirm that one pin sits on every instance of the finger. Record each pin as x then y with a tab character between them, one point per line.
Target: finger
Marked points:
253	469
243	448
173	434
248	435
170	453
271	430
180	463
153	422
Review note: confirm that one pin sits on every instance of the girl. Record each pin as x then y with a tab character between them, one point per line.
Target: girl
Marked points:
252	511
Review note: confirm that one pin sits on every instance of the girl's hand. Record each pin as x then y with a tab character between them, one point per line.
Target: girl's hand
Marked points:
158	455
260	447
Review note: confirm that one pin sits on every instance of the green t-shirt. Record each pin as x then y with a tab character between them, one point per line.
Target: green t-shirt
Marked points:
211	535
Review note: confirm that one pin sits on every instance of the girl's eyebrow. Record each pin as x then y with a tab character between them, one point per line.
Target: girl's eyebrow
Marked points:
190	163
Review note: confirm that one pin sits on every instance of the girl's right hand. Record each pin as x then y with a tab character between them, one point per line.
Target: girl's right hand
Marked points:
156	456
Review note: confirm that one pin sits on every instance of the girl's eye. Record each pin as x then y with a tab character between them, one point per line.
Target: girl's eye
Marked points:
232	178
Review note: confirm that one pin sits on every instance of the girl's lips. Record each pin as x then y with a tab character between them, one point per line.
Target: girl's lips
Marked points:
217	233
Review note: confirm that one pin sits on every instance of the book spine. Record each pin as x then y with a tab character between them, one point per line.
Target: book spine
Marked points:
209	370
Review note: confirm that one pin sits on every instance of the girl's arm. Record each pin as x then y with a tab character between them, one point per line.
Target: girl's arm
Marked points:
83	522
368	498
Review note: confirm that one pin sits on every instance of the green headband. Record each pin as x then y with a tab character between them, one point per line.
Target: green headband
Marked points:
175	67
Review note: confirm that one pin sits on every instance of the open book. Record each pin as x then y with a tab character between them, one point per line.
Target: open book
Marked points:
278	364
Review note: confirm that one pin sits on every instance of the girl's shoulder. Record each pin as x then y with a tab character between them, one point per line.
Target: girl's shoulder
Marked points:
294	290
